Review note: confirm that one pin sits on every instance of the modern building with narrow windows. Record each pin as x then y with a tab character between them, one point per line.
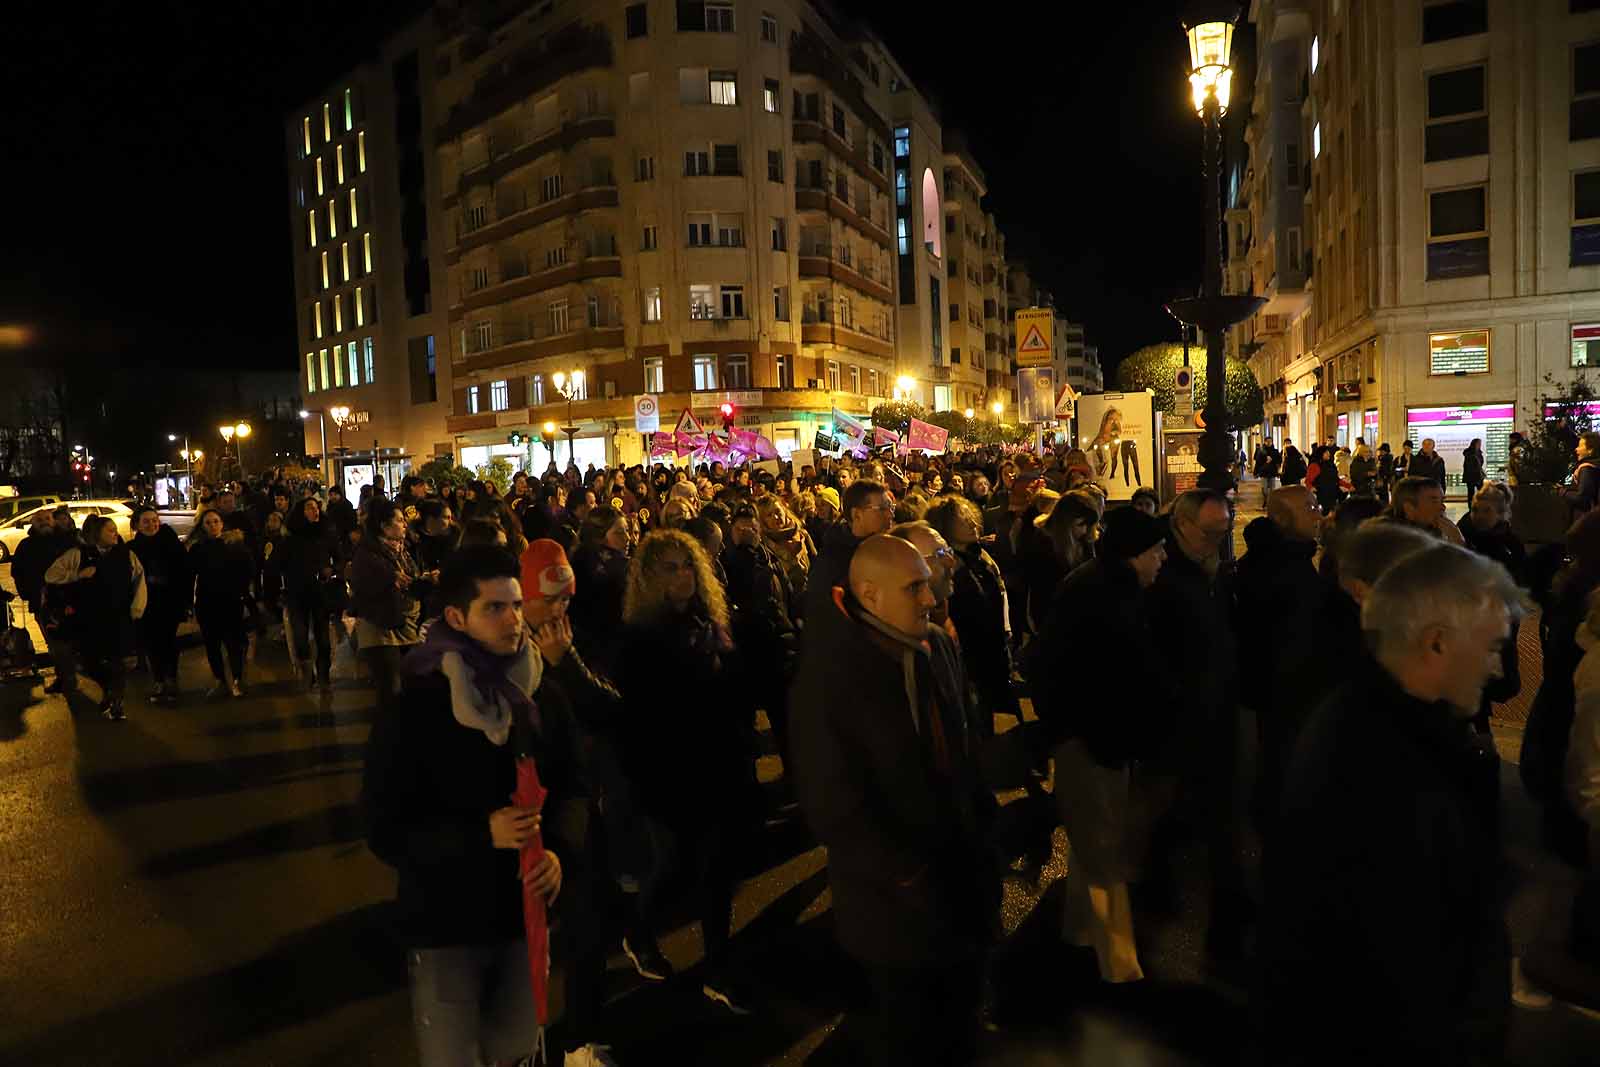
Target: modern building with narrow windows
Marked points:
1425	204
368	297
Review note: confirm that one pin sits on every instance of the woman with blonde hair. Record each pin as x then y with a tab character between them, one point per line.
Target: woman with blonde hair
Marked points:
688	748
788	540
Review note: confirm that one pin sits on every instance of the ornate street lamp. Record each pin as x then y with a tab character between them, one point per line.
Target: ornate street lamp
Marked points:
322	428
1209	27
569	384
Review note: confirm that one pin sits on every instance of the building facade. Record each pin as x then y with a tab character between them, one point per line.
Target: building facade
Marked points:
1448	220
368	297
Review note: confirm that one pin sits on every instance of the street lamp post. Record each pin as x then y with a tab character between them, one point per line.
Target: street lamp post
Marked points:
568	385
1209	27
547	434
322	427
339	413
240	432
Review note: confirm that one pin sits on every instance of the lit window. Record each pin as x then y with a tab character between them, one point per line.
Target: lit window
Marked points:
1586	345
902	141
361	307
833	376
1316	53
354	218
724	89
1466	352
701	302
652	305
320	189
770	95
311	357
366	358
344	261
579	383
333	218
361	151
1316	141
705	372
352	356
366	253
536	389
305	128
338	367
472	400
327	123
338	162
338	312
655	375
322	367
499	395
783	371
648	239
855	378
316	312
482	336
349	111
560	320
780	303
311	221
325	270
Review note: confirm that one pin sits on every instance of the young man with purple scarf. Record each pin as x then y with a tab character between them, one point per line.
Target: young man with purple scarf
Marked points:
440	773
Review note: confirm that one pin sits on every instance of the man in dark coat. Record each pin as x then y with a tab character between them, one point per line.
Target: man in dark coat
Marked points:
886	772
866	510
1383	892
1294	464
1428	464
1279	609
310	563
50	533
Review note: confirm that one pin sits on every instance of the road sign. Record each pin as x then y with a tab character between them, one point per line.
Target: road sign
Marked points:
646	413
1035	337
1066	401
1036	394
1183	392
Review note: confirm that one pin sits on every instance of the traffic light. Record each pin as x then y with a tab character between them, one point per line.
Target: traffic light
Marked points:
516	439
727	416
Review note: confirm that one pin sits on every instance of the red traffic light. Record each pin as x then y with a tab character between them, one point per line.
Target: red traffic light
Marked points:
727	411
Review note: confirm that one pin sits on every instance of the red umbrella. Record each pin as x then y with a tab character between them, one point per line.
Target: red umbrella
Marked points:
531	794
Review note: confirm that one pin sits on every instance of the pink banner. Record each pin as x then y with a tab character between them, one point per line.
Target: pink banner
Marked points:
754	444
882	435
687	443
927	436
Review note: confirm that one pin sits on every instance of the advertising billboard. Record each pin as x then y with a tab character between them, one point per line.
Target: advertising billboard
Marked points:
1117	430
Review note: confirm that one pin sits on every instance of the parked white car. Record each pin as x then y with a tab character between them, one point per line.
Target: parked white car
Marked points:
13	530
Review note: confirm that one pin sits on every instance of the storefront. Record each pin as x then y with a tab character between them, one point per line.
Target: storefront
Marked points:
1454	428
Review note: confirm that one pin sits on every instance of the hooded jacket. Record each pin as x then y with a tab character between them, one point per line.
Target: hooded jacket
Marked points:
311	547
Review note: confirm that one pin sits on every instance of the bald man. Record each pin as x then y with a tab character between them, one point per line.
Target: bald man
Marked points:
886	774
1282	608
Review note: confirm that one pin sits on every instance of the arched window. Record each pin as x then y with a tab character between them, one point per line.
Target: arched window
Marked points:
932	212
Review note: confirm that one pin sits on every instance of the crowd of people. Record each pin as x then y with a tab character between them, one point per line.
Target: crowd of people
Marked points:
1327	694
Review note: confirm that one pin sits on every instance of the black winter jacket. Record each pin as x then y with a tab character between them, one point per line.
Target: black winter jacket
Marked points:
32	558
1294	466
374	594
1194	614
913	875
1432	468
830	568
1279	610
1383	888
428	790
222	571
310	548
167	579
978	611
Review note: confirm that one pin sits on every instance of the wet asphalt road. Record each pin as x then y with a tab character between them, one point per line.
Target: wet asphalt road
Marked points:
191	887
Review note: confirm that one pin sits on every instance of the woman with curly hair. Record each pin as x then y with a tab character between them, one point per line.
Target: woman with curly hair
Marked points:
688	748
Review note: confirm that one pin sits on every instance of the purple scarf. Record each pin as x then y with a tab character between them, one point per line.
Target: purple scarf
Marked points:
501	687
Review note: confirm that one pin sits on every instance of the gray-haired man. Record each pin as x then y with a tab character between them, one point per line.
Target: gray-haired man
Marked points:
1382	885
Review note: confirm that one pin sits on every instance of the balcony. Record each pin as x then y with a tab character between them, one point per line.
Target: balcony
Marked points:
808	55
811	131
816	198
577	47
590	198
516	150
818	259
817	327
517	281
518	339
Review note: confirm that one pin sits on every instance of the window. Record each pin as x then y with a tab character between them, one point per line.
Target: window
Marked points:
1454	18
482	336
322	367
366	253
361	306
774	166
733	301
578	385
1316	53
305	129
1586	219
699	230
645	169
499	395
696	163
702	302
780	235
769	28
855	378
1586	345
333	219
366	360
719	18
655	374
955	312
344	261
559	320
338	367
320	189
592	306
725	159
705	372
637	17
311	357
311	222
841	186
647	239
780	303
770	95
724	88
730	230
477	217
736	371
1458	117
833	376
839	125
472	400
902	142
316	315
325	282
555	256
873	388
478	279
361	151
338	162
877	156
1293	242
639	89
349	112
355	219
424	369
1466	352
550	188
901	181
901	227
338	312
536	389
807	106
1458	233
327	123
1316	141
1584	121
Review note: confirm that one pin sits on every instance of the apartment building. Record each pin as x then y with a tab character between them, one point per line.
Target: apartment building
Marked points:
368	297
691	200
972	282
1076	363
1449	214
1000	377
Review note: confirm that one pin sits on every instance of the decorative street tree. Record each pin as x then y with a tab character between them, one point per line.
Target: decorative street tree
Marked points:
1152	367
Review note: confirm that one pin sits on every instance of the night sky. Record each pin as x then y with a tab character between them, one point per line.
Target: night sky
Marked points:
148	189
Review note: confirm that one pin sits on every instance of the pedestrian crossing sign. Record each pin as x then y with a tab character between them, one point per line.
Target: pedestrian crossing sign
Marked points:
1035	337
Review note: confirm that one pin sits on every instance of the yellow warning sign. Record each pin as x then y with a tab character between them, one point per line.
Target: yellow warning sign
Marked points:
1035	337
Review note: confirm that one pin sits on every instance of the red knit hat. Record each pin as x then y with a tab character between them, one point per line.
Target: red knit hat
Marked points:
545	570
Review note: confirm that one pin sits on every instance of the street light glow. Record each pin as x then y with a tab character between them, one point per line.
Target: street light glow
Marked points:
969	413
226	432
558	379
997	407
172	437
550	428
340	413
243	429
1210	43
906	384
305	414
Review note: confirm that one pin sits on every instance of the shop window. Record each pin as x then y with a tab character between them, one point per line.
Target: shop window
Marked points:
1586	345
1466	352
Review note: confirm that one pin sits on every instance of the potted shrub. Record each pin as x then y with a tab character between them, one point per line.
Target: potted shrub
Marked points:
1544	462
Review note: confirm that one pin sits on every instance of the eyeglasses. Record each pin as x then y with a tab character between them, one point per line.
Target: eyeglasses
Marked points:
943	555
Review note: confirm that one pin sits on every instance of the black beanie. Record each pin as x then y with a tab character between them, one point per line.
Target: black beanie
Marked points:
1128	532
